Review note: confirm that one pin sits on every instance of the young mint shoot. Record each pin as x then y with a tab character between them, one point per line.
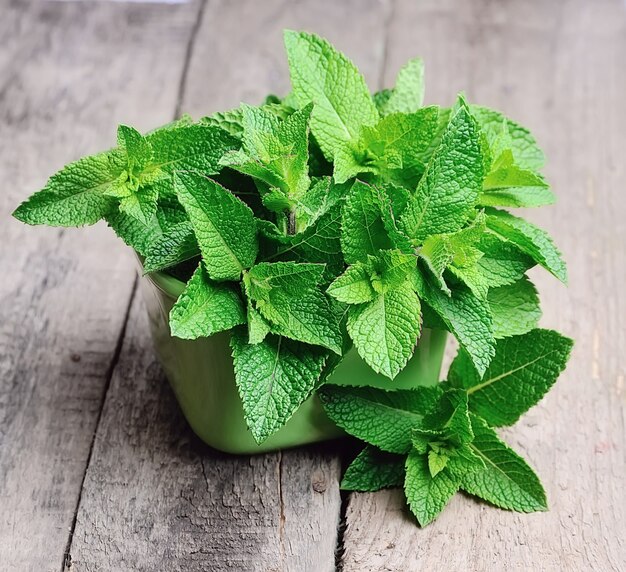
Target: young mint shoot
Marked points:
334	220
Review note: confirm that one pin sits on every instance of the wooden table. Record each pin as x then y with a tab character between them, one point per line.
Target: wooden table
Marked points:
98	470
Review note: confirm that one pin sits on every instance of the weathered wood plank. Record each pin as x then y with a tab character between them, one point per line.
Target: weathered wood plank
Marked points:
557	67
68	74
154	497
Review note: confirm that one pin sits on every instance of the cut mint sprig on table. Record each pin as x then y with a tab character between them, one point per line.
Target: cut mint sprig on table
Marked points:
437	440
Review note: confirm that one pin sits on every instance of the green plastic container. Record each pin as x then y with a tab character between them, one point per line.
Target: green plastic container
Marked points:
201	375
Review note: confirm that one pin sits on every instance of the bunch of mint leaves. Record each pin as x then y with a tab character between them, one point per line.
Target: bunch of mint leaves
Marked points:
334	219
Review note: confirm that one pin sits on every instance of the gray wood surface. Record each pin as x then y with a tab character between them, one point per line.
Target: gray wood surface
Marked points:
68	74
98	470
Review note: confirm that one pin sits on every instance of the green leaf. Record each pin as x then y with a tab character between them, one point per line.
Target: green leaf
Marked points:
137	148
427	495
408	94
517	197
437	254
141	204
385	330
463	459
511	186
390	269
468	318
396	148
457	252
448	419
136	234
177	244
529	239
274	378
258	328
437	462
223	224
526	152
322	75
276	152
448	191
353	286
514	308
205	308
75	196
373	470
502	262
522	371
363	231
381	418
506	481
230	121
288	296
323	196
190	148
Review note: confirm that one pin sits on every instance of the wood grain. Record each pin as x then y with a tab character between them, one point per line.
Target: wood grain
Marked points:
154	497
68	74
558	68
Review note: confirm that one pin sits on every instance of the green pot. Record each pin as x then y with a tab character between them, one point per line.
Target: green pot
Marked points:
202	377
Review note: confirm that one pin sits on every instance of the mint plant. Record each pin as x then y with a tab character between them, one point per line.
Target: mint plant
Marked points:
333	220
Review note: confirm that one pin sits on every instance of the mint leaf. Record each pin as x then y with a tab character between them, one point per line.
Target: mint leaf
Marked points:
373	470
408	94
514	308
506	481
223	224
391	200
363	231
529	239
322	75
230	121
458	253
381	418
141	204
288	296
353	286
258	328
395	148
448	420
275	152
274	378
136	234
205	308
511	186
437	462
467	317
138	149
385	330
427	495
449	189
526	152
75	196
502	262
190	148
177	244
520	374
322	196
390	269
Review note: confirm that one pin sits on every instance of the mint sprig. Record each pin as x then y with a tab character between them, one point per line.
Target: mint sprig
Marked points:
445	432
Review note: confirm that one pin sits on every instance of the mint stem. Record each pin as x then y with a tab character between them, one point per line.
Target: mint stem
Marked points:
291	222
